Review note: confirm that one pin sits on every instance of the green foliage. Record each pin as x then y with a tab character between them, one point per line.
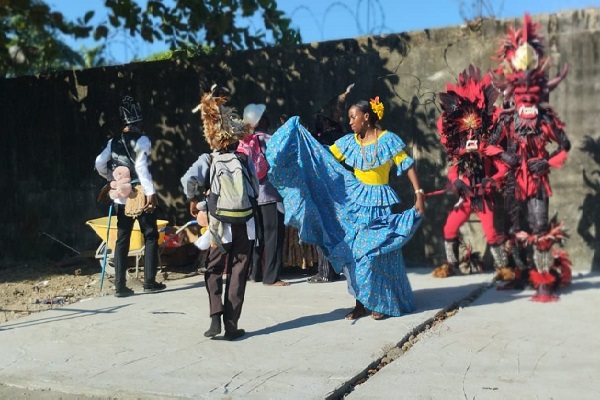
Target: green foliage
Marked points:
187	52
28	38
215	23
29	30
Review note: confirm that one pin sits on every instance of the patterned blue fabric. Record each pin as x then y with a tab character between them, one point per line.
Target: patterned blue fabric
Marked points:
349	220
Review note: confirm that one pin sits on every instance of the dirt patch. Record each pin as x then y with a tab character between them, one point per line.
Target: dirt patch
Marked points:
37	286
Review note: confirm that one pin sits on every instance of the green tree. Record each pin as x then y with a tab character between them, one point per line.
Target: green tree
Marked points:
216	23
185	25
187	52
29	38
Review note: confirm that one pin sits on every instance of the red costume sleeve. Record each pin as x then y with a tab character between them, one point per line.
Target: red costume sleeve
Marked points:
558	159
501	168
491	150
555	133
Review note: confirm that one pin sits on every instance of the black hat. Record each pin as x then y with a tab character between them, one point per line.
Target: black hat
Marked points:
130	111
326	130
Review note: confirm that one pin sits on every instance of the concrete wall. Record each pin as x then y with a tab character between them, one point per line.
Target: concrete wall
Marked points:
54	125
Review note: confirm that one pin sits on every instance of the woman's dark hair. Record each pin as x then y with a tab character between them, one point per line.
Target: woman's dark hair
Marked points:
365	107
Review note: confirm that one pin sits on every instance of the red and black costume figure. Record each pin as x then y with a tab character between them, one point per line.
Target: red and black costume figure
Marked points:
465	123
529	124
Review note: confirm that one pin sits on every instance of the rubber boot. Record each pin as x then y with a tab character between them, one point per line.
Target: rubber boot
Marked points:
215	326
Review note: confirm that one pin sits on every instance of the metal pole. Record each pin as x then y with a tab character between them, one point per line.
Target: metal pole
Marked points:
106	246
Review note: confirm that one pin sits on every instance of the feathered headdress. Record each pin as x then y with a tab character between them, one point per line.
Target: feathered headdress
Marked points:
522	49
466	106
523	62
222	124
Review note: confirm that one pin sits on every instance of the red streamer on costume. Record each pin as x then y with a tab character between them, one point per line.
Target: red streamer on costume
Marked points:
563	263
539	279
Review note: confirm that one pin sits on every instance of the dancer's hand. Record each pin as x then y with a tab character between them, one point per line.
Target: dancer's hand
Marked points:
420	203
488	183
538	166
194	208
151	203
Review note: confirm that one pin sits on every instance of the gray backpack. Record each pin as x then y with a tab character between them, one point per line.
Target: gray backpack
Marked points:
233	190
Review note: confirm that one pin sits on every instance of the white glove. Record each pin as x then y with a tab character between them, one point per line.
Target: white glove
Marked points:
203	242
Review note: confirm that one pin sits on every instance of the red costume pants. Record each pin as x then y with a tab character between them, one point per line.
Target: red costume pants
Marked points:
461	214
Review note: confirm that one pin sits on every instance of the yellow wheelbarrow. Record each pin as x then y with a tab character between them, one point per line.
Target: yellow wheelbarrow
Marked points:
109	238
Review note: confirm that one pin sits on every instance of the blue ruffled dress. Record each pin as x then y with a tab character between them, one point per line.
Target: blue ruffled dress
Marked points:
351	221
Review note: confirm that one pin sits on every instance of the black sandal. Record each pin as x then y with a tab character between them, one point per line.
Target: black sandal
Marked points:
317	279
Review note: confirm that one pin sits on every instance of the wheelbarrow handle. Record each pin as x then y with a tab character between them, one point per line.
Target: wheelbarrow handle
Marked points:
189	223
177	232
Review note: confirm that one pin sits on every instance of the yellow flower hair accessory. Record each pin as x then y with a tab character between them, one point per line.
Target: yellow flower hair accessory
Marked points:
377	107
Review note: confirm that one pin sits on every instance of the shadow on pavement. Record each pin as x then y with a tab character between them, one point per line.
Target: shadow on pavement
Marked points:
300	323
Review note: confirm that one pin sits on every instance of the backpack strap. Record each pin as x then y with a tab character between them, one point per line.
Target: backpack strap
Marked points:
260	139
207	179
244	161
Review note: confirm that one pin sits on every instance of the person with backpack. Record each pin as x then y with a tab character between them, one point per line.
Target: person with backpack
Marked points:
131	150
224	183
267	260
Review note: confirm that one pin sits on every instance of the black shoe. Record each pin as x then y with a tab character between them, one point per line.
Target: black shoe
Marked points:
238	333
154	287
215	326
124	293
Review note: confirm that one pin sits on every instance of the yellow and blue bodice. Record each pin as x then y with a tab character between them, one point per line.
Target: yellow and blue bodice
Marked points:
372	163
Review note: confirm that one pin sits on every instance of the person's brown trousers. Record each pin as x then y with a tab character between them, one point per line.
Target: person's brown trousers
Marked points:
236	261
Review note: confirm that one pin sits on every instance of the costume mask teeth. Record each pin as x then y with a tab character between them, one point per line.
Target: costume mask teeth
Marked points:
471	145
528	112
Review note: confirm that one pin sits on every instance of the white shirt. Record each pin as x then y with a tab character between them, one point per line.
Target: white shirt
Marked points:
142	151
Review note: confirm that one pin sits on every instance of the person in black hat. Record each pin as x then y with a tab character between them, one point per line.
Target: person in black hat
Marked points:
327	130
131	149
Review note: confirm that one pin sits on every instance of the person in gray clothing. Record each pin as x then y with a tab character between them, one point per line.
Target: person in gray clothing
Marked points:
267	260
231	243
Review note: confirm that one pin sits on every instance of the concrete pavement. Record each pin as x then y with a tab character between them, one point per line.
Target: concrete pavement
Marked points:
497	345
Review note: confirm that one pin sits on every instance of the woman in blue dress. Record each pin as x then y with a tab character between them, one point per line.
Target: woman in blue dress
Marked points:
349	215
